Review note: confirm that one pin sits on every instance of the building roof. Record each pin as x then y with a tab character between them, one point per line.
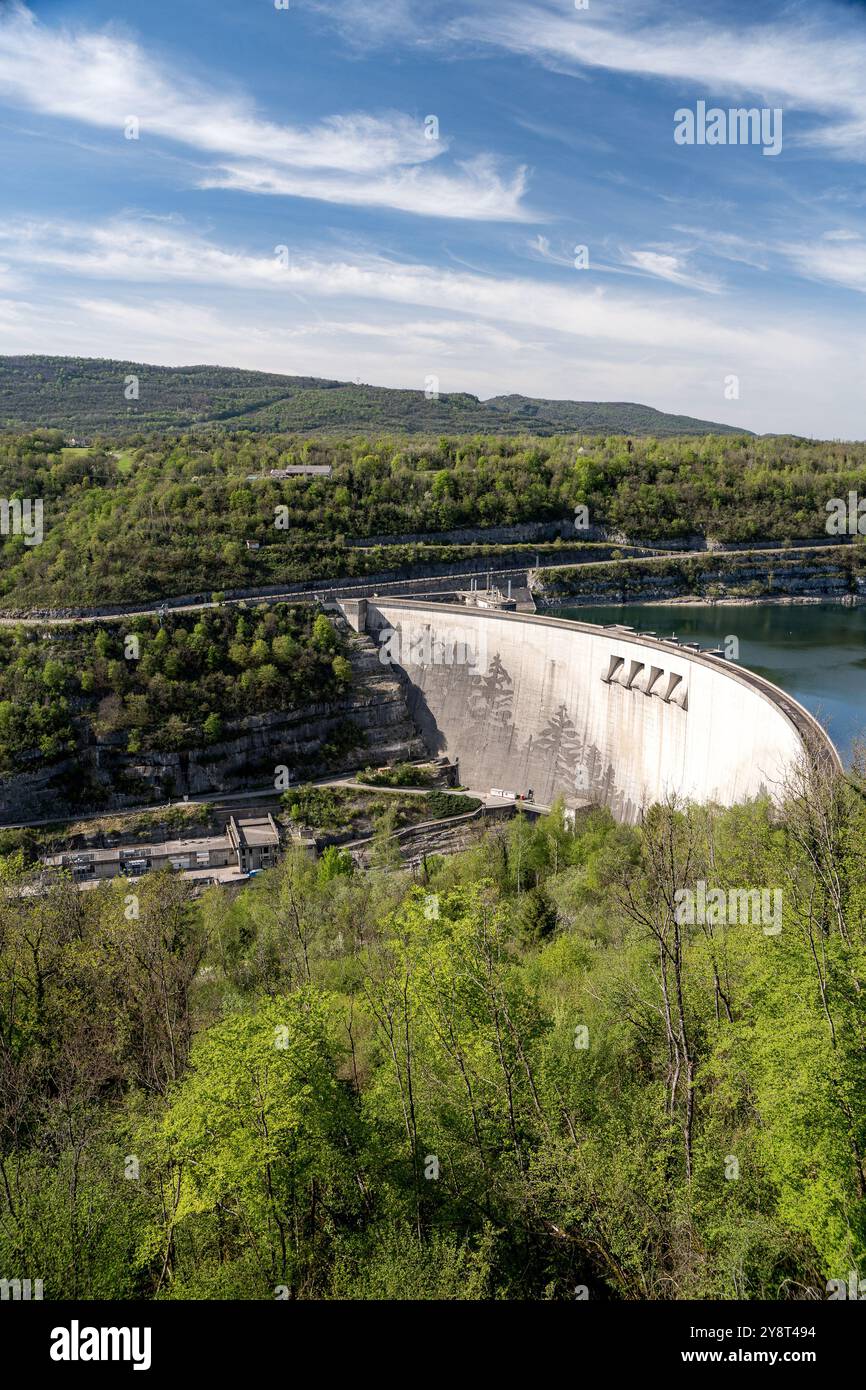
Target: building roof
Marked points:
294	470
163	849
255	830
247	831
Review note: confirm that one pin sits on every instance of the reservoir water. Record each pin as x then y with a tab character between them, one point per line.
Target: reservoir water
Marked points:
817	652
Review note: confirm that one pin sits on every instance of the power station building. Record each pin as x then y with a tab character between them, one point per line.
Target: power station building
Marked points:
249	843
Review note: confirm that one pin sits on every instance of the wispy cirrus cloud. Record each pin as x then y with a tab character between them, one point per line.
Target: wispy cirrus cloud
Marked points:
540	249
156	252
729	246
833	257
101	78
837	258
666	265
477	192
366	24
809	60
660	263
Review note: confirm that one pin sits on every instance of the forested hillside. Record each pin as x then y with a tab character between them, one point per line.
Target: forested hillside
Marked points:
163	684
89	395
179	515
522	1077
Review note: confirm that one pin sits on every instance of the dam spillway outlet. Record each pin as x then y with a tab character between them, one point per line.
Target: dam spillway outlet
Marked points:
630	676
634	669
651	680
673	681
546	704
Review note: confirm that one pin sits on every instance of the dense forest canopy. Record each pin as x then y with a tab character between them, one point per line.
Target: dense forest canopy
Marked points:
519	1077
166	683
180	515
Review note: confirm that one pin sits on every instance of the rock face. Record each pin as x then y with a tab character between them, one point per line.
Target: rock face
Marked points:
105	777
817	573
589	713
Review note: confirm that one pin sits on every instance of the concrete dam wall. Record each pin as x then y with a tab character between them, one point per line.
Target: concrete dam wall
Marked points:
592	713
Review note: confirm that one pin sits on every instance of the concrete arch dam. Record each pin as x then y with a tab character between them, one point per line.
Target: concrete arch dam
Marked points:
594	714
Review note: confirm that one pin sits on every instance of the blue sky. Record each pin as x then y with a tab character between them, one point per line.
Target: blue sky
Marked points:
409	257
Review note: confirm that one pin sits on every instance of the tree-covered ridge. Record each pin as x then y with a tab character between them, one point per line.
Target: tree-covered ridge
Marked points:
87	395
180	515
160	683
523	1077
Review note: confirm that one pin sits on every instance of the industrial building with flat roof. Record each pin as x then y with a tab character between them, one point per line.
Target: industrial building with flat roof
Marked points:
249	843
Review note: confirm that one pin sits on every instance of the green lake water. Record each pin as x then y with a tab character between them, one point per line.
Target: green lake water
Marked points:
817	652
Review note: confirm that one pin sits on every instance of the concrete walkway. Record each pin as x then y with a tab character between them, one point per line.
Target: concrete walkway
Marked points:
225	800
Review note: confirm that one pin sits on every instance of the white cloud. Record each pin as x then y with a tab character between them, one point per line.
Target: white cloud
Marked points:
365	24
673	268
162	253
156	252
540	249
810	62
445	337
103	78
836	262
729	246
477	193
